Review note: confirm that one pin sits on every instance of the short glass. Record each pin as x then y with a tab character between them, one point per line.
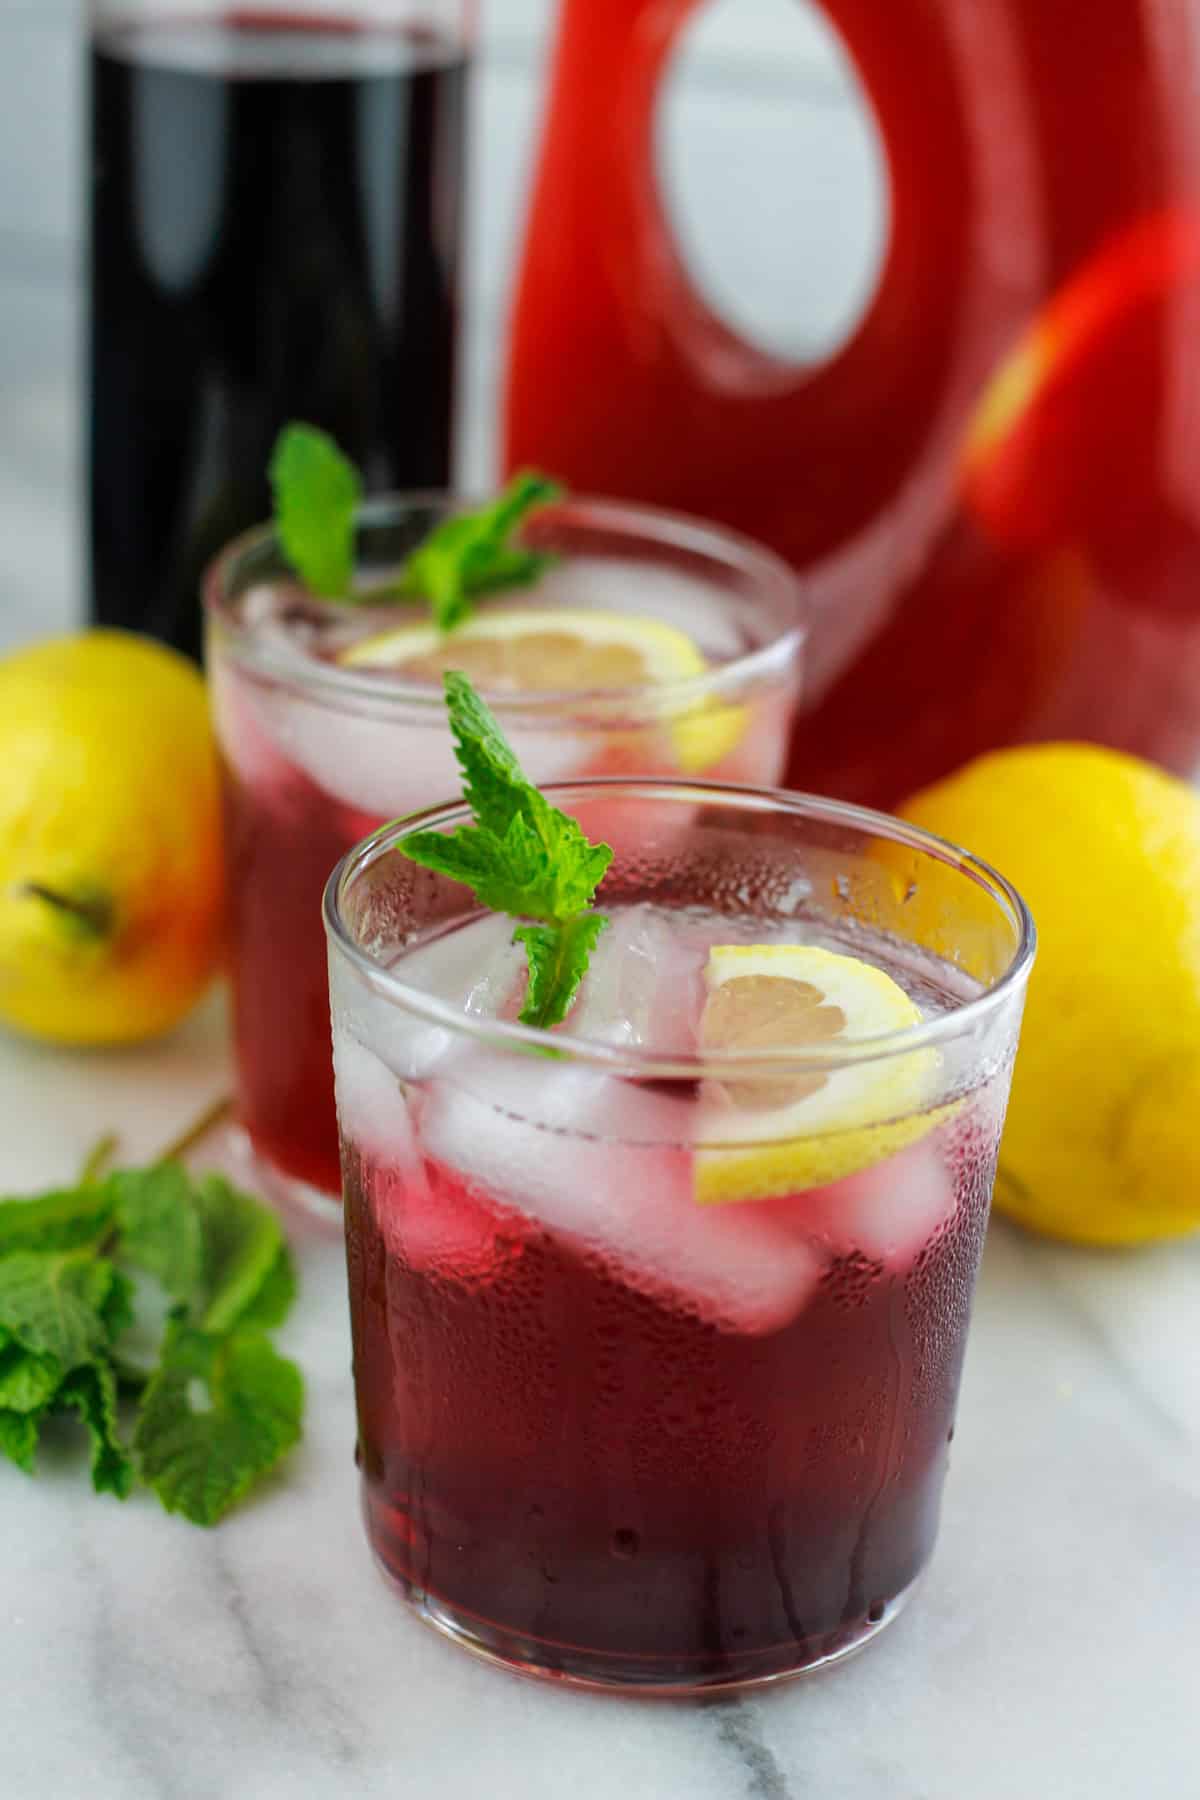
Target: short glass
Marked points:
317	754
607	1433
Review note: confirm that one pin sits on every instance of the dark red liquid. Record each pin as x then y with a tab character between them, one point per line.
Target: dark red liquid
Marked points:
591	1480
995	485
282	841
275	235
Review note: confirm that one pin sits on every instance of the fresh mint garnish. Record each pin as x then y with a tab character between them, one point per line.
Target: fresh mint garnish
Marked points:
317	493
522	856
473	553
219	1406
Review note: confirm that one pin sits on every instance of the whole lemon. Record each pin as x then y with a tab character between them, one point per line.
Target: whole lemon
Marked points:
1101	1144
110	844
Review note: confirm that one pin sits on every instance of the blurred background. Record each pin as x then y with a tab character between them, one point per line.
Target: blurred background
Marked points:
762	114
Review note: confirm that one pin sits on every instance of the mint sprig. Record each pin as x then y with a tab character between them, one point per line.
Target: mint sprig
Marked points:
317	493
473	553
522	856
218	1406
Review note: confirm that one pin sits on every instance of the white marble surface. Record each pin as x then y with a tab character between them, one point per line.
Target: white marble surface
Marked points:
1052	1651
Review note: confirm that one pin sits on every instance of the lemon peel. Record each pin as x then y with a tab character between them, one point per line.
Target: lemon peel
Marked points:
527	651
759	1140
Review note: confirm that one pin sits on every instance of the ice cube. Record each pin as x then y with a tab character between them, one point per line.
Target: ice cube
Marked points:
389	762
644	987
372	1109
433	1224
699	608
606	1166
887	1212
476	969
384	767
440	1229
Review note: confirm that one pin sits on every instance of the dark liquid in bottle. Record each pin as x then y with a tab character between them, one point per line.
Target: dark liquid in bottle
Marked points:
275	235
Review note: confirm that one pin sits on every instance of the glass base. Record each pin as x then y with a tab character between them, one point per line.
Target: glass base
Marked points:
653	1678
247	1166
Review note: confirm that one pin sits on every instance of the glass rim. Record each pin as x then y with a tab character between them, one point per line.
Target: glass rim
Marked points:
335	683
730	1065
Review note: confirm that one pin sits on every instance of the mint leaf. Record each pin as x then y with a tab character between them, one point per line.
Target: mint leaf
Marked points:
19	1438
542	868
494	784
160	1227
213	1249
219	1413
317	493
28	1382
221	1256
91	1392
470	554
242	1243
558	959
117	1307
63	1220
543	850
523	857
53	1304
273	1301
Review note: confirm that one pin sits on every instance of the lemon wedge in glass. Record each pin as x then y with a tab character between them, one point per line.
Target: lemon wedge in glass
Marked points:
768	1136
565	651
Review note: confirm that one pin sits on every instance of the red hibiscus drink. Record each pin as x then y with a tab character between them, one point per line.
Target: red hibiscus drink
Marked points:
653	645
657	1339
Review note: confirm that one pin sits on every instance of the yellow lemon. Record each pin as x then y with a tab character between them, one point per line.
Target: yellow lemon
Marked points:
566	651
110	847
1101	1144
781	1135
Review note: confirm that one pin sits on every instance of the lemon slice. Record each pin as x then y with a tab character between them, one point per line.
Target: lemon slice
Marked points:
783	1136
531	652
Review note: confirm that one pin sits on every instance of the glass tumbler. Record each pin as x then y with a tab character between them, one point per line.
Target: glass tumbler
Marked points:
317	753
657	1349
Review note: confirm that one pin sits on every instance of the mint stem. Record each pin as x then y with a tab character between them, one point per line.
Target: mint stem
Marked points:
98	1158
200	1128
104	1149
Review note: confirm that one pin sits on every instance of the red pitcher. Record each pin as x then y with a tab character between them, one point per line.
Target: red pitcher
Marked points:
994	487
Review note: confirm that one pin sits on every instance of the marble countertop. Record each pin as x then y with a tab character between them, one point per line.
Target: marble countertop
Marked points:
1052	1651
